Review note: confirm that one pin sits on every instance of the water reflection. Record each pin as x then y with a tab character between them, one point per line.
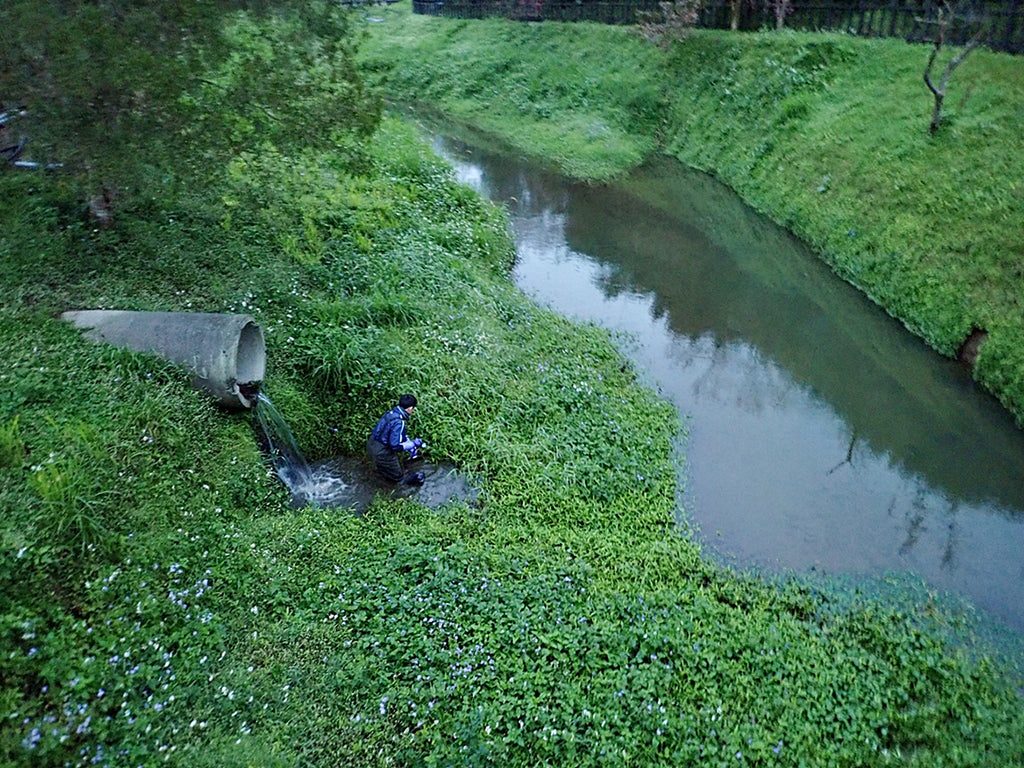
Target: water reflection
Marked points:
822	433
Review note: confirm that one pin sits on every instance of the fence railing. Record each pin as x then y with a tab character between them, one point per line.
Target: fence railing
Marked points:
604	11
912	20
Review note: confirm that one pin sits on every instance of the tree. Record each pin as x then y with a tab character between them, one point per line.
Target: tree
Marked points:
947	15
673	21
287	77
780	9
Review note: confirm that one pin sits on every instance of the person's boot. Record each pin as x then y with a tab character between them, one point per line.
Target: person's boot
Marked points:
415	478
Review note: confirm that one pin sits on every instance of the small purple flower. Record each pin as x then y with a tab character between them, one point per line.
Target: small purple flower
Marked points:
30	741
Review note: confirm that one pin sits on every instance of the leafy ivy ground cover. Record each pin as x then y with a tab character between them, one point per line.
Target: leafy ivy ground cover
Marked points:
161	603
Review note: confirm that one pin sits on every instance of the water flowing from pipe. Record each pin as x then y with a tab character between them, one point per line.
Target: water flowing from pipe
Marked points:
308	485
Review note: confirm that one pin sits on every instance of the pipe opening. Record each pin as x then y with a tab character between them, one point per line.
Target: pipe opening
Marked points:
971	348
250	363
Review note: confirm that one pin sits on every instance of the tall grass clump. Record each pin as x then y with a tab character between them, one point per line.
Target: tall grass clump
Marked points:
161	601
12	447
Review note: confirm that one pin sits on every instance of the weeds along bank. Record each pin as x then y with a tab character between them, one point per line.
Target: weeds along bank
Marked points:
160	602
827	134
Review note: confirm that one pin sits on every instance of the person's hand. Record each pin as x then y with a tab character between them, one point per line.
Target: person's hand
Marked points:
417	443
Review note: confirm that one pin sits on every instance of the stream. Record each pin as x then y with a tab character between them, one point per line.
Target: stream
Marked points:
823	437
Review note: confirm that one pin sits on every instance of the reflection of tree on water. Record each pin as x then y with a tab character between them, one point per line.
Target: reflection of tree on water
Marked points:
738	372
949	553
849	453
916	519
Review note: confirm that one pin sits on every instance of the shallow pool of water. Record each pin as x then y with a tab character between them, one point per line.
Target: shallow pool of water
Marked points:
822	435
351	482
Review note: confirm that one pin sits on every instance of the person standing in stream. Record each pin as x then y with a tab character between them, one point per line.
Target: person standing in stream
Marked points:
389	440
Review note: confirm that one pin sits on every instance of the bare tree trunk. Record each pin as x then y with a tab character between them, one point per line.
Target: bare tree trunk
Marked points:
939	91
781	9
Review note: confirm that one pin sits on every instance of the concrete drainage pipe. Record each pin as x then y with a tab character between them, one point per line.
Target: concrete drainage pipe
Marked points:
225	353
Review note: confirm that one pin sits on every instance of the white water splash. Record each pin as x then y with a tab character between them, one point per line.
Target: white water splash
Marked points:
319	486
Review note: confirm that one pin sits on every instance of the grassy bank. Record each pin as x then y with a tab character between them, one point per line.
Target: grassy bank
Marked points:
827	134
162	603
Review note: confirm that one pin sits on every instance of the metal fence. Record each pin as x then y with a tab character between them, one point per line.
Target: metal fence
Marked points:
538	10
912	20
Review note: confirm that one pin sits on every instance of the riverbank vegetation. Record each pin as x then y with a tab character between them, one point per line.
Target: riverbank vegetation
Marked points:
160	600
828	134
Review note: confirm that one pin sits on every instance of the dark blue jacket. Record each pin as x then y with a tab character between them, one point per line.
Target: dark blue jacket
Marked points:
390	430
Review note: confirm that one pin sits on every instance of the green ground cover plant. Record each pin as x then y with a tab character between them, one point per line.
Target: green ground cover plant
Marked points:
826	133
162	603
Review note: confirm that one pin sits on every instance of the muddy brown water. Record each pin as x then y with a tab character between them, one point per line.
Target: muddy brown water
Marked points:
822	435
